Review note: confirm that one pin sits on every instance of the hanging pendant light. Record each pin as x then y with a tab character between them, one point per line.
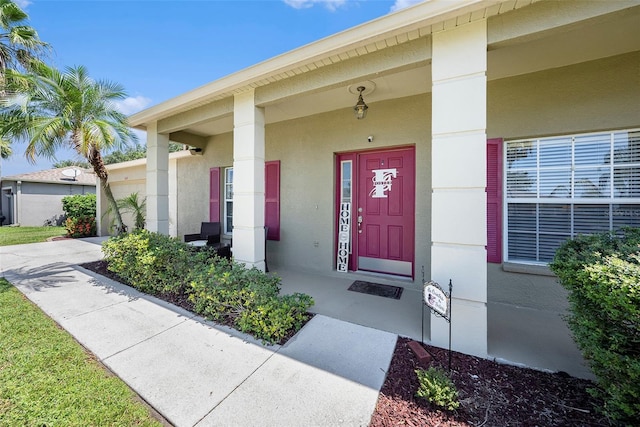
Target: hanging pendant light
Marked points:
360	109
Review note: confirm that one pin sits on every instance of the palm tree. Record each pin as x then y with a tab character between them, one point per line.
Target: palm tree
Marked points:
137	207
48	109
19	43
5	149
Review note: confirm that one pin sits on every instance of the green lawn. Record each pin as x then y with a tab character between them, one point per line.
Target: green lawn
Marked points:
22	235
48	379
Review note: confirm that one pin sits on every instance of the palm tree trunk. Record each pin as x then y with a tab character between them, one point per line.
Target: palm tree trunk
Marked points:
95	158
120	227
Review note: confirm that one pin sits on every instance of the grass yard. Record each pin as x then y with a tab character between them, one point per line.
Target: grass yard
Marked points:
21	235
48	379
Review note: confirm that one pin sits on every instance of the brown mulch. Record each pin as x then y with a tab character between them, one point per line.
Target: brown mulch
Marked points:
178	299
490	393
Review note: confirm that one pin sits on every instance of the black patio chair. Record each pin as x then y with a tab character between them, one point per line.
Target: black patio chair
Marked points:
209	231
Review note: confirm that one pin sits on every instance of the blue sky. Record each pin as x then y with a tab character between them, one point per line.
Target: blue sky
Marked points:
158	49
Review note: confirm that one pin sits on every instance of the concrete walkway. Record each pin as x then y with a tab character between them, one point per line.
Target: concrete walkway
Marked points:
196	373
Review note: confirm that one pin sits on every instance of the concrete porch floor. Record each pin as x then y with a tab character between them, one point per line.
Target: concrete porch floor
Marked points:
522	336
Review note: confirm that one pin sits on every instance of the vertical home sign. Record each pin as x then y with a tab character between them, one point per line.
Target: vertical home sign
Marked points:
344	237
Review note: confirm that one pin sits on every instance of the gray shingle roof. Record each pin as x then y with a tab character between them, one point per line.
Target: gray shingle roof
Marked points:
86	177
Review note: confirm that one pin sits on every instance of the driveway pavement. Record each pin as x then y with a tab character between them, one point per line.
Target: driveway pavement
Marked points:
196	373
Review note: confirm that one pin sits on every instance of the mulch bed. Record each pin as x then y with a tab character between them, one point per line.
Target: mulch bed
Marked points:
490	393
100	267
178	299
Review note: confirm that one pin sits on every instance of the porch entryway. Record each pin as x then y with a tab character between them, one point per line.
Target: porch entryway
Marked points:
534	338
376	199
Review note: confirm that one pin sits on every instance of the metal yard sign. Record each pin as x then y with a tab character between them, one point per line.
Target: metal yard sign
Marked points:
436	299
439	302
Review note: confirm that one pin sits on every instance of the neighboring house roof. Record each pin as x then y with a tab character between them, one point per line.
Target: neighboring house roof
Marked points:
56	176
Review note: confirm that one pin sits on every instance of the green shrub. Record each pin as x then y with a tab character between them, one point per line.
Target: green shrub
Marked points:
80	211
220	290
151	262
271	320
223	291
437	388
602	275
79	205
247	299
80	227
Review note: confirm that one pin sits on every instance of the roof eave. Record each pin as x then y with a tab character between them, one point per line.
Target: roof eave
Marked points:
419	15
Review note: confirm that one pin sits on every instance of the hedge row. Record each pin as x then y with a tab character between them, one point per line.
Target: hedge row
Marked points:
602	275
221	290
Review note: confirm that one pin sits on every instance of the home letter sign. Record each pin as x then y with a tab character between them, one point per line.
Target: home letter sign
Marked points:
344	233
382	182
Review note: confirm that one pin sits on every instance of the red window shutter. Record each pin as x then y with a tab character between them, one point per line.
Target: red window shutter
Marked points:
272	199
214	194
494	200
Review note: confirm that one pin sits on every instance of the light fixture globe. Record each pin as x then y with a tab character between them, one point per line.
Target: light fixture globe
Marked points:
360	109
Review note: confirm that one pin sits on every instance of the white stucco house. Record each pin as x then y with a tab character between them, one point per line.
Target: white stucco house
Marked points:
495	130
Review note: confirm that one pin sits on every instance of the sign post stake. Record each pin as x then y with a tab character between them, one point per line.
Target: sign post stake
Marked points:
422	319
439	303
450	294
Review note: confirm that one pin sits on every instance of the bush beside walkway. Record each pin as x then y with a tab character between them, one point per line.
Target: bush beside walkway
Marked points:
221	290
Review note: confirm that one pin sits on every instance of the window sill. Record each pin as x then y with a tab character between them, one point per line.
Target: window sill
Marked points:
539	270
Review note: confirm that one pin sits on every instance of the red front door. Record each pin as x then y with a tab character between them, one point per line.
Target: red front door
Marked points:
384	211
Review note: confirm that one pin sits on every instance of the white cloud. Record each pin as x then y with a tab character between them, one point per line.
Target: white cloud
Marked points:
142	136
401	4
23	4
132	104
332	5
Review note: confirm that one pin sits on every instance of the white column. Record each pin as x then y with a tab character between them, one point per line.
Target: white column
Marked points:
157	180
18	203
173	197
248	181
459	179
102	206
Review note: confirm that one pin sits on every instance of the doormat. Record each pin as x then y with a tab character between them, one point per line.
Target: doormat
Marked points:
386	291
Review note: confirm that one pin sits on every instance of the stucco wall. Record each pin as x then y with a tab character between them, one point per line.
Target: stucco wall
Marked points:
593	96
124	182
40	202
306	149
596	95
193	182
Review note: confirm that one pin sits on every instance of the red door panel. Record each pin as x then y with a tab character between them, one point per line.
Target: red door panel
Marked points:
385	211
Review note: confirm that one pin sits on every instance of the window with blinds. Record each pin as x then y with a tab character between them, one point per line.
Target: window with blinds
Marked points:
228	200
559	187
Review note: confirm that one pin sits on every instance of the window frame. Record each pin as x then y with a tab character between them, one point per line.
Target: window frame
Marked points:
343	197
571	201
227	200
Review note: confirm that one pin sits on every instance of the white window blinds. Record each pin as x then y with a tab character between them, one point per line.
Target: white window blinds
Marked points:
557	188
